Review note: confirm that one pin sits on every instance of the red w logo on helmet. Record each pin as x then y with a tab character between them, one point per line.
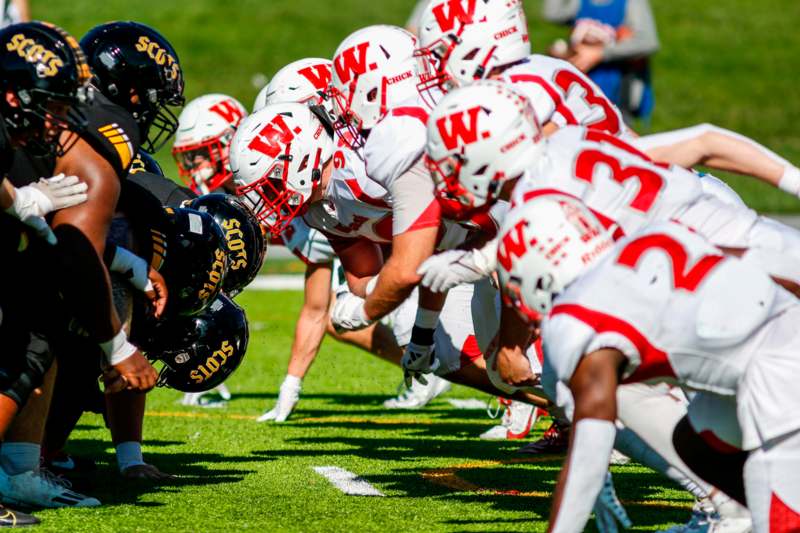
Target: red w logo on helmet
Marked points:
467	133
229	111
318	75
455	11
512	245
273	137
352	61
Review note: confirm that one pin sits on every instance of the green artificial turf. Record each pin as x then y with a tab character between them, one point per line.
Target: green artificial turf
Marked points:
236	474
730	63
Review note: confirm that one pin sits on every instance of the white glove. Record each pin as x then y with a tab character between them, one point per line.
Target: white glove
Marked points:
48	195
348	313
418	359
34	201
288	397
447	269
608	510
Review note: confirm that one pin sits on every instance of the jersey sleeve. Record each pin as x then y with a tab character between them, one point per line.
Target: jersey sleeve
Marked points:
541	94
307	244
112	132
414	205
395	144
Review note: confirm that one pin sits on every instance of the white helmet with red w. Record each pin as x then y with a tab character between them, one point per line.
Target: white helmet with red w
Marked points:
205	128
304	81
545	244
461	41
479	137
277	156
373	70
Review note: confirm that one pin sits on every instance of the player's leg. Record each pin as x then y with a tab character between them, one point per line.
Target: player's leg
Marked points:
772	485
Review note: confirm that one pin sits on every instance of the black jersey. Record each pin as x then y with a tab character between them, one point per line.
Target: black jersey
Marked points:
111	131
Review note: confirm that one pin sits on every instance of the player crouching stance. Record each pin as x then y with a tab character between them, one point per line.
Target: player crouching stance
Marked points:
731	332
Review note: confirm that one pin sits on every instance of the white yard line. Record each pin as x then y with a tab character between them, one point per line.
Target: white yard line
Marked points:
277	282
346	481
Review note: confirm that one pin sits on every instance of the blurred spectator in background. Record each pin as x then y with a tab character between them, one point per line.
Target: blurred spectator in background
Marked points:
13	11
612	41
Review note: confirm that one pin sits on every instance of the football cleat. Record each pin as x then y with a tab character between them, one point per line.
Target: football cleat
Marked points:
12	518
554	440
41	489
418	395
705	519
517	421
63	464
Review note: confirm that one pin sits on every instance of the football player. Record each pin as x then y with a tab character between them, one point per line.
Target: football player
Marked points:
305	81
375	95
205	128
603	304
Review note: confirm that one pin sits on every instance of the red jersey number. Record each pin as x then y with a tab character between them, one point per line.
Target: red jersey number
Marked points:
650	182
683	277
610	122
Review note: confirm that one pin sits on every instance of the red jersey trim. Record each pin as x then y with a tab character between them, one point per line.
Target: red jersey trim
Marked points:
411	111
562	109
654	362
361	196
431	217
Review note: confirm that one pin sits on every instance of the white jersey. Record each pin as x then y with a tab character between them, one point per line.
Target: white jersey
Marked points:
562	94
627	190
307	243
676	307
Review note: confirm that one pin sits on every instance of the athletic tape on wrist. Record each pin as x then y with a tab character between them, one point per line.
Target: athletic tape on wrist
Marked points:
371	285
790	181
131	265
118	349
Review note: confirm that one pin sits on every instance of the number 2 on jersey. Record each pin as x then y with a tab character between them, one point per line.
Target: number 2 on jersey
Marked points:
683	277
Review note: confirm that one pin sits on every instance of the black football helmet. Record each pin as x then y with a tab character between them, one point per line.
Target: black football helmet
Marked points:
247	246
190	254
137	68
45	69
199	352
145	163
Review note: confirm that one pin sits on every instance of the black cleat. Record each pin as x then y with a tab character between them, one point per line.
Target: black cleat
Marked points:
555	440
12	518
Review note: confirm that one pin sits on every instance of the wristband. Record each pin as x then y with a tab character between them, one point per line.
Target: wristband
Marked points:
118	348
133	267
424	326
790	181
371	285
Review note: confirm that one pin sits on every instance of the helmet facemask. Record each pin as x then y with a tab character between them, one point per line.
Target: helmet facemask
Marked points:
205	166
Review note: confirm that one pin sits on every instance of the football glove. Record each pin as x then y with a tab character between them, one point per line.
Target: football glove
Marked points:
348	313
418	359
445	270
34	201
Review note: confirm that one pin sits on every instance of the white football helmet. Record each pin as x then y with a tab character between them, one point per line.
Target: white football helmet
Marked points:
277	157
461	41
373	70
205	129
479	136
545	244
305	81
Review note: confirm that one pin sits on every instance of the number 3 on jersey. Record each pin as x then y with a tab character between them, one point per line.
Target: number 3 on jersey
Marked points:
683	277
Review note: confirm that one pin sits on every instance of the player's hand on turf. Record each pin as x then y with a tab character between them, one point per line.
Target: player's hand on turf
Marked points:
445	270
145	471
134	373
417	360
156	291
348	313
608	510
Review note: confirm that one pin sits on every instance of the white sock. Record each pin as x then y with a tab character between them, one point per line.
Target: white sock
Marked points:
19	457
291	382
129	454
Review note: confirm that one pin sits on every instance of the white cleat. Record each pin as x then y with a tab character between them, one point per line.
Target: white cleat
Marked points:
418	395
517	421
287	399
41	489
618	458
207	399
